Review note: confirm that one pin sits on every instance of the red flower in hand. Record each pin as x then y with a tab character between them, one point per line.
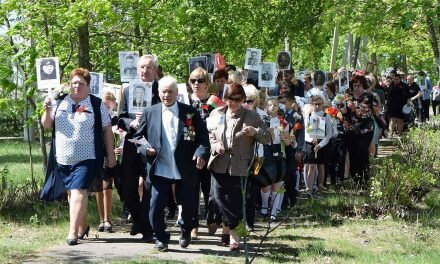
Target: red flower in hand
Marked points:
283	121
297	126
332	111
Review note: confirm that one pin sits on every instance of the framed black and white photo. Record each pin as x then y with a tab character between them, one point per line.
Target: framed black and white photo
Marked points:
96	84
283	60
252	77
196	62
210	62
267	75
319	78
48	73
128	65
140	96
253	59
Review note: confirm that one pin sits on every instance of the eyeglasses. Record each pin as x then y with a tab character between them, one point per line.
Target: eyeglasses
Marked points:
235	99
249	101
199	80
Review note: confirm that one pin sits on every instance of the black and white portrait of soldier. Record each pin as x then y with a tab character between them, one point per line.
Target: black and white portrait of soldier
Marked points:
253	58
283	60
128	65
48	69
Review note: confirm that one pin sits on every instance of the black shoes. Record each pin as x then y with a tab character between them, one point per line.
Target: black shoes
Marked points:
185	239
101	227
147	238
108	226
135	230
160	246
72	242
81	236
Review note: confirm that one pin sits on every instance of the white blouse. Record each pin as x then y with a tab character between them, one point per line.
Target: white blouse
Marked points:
74	131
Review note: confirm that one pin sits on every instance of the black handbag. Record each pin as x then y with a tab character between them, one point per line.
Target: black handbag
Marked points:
257	176
53	188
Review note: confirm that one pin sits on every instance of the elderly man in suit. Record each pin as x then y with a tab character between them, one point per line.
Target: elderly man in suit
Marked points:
132	165
178	145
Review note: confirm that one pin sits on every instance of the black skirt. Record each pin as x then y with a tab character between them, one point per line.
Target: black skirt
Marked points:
309	155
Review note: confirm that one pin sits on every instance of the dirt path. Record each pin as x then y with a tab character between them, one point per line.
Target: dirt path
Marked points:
106	247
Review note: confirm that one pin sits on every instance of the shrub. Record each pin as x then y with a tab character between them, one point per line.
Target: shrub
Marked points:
408	175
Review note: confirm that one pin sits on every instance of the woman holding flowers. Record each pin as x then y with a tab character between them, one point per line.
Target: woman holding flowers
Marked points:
359	127
79	156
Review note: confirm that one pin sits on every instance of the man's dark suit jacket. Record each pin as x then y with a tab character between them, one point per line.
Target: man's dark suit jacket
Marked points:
144	103
151	128
266	77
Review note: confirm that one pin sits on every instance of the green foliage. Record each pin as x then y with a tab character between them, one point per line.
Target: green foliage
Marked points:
407	176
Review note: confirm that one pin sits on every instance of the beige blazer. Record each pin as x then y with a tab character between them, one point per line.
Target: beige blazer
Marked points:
240	156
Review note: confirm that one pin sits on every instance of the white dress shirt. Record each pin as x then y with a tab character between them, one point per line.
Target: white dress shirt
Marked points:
166	164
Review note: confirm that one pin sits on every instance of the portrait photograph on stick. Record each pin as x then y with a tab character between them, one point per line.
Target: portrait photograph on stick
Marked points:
253	59
96	83
267	75
128	65
48	73
210	62
283	60
196	62
140	96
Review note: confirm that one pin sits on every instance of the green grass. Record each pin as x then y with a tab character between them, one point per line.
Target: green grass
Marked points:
15	155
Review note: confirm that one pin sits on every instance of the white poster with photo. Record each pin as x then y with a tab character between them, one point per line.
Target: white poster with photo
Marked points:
210	62
253	59
316	127
182	93
48	73
96	84
267	75
196	62
128	65
283	60
115	90
140	96
343	81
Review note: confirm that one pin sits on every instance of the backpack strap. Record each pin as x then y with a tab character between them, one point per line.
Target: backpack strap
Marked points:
98	132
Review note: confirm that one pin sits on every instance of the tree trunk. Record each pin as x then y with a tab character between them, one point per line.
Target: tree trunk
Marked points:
354	59
334	49
434	41
83	46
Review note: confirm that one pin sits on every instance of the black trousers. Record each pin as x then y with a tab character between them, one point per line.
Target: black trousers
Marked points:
132	167
291	177
203	184
336	165
425	110
228	197
436	107
185	195
357	147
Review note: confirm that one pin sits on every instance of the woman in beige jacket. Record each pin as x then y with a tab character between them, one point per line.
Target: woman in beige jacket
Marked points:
233	131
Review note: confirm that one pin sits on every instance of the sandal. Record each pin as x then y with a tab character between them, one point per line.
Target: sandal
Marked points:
108	227
101	227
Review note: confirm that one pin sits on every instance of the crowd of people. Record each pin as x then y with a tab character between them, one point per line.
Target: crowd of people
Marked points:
228	139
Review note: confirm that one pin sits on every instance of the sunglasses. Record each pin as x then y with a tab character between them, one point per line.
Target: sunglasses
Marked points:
249	101
235	99
199	80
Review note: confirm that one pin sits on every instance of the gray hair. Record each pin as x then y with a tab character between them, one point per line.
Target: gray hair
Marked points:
151	57
168	81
